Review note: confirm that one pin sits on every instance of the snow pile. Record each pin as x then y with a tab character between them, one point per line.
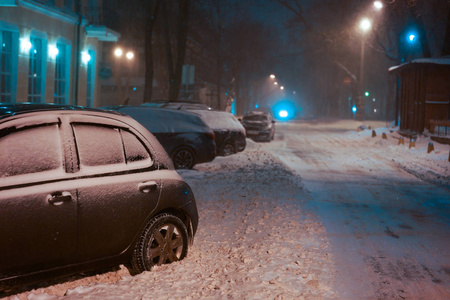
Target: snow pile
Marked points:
432	167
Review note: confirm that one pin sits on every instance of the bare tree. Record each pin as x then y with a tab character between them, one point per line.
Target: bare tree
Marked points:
152	10
175	60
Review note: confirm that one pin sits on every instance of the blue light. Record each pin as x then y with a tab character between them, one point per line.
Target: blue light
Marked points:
283	114
233	108
411	37
284	110
134	88
256	105
354	108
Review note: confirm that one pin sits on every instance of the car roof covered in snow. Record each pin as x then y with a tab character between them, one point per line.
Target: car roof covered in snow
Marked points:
8	109
161	120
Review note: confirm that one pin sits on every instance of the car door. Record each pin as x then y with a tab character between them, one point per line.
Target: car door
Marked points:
38	224
118	187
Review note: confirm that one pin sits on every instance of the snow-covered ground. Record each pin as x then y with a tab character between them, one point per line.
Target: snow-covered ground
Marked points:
267	223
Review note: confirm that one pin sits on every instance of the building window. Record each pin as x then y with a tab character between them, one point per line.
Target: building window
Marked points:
61	74
6	66
90	88
35	70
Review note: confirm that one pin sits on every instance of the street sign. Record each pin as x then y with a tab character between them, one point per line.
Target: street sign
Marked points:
347	80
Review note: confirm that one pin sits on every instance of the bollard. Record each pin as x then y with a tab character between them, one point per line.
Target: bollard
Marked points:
412	143
401	141
384	136
430	147
374	134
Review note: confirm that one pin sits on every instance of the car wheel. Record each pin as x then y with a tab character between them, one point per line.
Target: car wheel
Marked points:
164	240
183	158
228	149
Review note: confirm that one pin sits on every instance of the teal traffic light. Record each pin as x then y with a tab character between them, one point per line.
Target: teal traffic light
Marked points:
366	94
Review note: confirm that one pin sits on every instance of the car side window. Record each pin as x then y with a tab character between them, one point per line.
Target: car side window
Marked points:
103	149
30	150
98	145
135	151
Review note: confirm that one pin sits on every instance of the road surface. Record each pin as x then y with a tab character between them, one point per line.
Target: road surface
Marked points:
389	231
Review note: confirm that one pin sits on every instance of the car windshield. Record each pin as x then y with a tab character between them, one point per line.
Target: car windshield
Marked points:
255	118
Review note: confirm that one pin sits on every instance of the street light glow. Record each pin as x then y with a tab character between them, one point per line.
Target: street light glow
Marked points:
118	52
272	76
365	25
283	114
281	87
275	83
378	5
412	37
130	55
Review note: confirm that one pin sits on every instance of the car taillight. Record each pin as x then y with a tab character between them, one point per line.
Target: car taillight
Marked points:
210	135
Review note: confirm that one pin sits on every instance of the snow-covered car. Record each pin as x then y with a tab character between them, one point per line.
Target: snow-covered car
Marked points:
184	135
82	189
259	126
229	132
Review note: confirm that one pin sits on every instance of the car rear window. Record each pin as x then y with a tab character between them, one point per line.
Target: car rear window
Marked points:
220	120
135	151
31	150
256	118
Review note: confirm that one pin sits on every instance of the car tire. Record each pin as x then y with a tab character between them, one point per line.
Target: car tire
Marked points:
228	149
164	240
183	158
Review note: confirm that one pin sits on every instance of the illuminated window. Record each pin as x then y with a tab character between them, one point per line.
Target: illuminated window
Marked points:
61	84
6	69
90	87
35	70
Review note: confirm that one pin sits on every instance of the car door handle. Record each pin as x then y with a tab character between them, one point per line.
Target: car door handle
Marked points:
59	197
146	187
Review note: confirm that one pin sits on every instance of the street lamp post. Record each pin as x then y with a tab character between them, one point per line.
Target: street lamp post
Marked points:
365	25
118	53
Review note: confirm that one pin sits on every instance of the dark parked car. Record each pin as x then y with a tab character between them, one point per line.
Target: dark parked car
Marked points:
229	132
185	136
178	105
82	189
259	126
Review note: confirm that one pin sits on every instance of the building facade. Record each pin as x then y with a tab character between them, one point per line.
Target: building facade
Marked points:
50	51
